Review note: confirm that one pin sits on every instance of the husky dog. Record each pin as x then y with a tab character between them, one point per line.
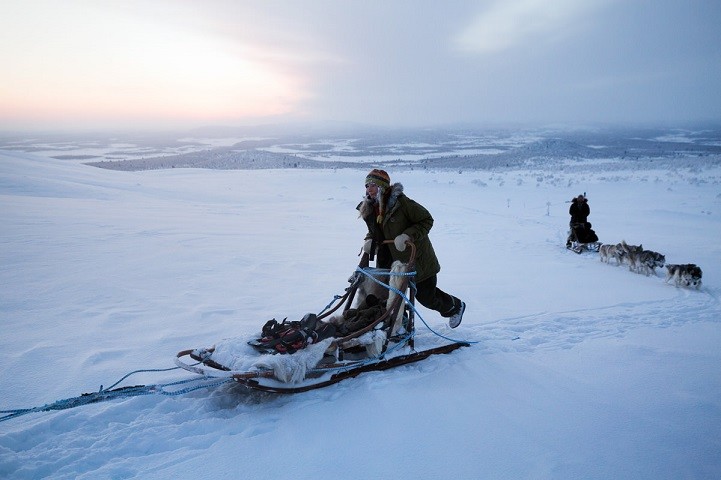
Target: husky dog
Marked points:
686	275
608	251
630	254
648	261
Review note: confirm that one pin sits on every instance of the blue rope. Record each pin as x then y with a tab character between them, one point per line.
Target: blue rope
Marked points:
366	272
106	394
139	371
183	391
369	274
336	297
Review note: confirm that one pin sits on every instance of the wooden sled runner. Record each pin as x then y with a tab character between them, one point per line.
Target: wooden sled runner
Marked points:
322	376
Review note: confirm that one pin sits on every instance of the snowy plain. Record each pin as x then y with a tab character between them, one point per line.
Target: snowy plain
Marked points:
580	370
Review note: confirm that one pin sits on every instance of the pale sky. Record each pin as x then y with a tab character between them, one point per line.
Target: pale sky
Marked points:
168	63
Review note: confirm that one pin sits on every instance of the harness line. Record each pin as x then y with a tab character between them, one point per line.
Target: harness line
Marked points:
111	393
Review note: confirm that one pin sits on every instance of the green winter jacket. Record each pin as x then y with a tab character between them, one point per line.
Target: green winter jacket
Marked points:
403	215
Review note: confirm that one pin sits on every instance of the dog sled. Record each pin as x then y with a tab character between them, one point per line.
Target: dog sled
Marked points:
582	238
341	342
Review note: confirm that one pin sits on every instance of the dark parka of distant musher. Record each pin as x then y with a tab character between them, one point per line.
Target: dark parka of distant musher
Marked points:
579	210
581	229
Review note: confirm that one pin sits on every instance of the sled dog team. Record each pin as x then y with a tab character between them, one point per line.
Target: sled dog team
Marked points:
647	261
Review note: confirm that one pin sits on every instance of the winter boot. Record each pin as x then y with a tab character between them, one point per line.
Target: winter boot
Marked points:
455	319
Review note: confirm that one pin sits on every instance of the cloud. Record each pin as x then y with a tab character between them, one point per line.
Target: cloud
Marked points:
405	62
509	24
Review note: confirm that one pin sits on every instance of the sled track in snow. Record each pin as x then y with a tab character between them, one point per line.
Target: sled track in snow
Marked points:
559	330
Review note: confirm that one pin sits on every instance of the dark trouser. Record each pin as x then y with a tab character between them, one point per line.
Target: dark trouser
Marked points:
427	293
436	299
582	233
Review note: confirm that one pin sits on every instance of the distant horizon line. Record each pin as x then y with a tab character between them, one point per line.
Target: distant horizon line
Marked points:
296	127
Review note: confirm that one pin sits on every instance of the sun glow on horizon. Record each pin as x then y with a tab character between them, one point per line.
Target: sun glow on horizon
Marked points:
120	69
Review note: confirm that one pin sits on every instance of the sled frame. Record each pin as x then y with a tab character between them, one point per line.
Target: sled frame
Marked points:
330	373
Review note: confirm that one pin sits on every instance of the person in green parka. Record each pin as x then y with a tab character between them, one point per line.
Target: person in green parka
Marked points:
391	215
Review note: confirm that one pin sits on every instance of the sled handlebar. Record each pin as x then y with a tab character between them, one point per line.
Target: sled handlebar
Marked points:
408	243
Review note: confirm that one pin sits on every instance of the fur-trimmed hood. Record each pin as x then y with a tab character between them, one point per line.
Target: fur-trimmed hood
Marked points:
367	206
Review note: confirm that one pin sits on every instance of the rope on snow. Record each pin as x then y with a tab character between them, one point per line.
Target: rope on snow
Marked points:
111	393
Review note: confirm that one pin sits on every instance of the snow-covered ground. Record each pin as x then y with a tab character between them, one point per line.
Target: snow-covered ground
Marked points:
581	370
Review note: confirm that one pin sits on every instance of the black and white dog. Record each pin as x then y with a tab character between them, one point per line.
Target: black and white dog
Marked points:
686	275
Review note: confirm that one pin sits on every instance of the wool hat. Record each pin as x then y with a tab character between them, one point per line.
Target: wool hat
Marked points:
379	177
